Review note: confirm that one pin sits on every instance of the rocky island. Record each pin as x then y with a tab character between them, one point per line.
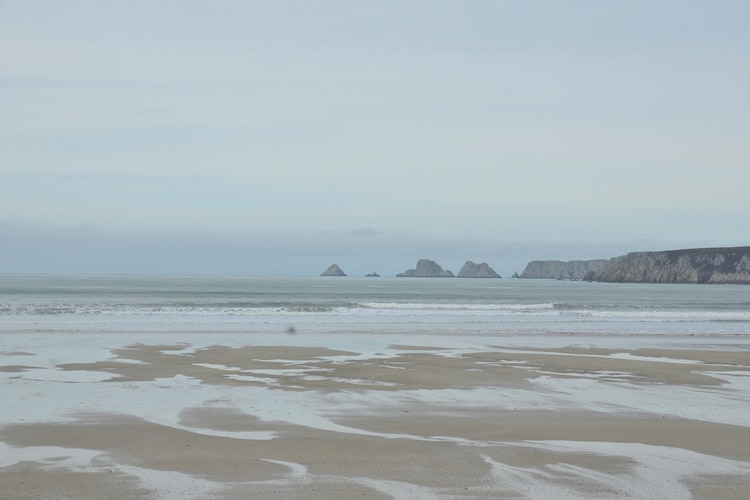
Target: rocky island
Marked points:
698	265
426	269
559	270
473	270
333	270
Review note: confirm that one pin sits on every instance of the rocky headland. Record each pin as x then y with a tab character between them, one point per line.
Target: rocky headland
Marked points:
426	269
556	269
698	265
473	270
333	270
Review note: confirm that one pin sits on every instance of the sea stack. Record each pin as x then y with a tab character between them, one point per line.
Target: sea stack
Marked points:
426	269
473	270
333	270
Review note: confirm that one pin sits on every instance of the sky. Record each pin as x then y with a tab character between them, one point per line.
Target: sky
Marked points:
249	137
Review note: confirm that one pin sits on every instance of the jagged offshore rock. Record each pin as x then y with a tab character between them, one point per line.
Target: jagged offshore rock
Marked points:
333	270
473	270
426	269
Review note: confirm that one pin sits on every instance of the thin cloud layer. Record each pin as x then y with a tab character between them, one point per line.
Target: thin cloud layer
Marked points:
504	121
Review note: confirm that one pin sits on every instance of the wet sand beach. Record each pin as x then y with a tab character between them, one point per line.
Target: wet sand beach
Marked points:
438	417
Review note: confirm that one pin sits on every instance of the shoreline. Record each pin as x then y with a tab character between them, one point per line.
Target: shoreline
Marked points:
379	416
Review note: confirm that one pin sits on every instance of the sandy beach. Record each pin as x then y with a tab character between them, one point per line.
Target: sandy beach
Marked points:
330	417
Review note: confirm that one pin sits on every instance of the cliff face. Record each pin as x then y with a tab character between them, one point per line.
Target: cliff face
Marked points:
701	265
473	270
426	269
555	269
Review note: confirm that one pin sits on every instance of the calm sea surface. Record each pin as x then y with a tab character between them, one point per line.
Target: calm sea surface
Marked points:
101	304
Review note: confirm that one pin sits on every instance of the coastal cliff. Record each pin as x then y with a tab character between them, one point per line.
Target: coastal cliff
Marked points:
426	269
555	269
699	265
473	270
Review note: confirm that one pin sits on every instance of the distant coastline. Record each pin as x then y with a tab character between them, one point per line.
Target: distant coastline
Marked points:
555	269
726	265
697	265
719	265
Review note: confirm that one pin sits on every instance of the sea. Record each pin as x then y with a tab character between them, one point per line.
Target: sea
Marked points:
101	304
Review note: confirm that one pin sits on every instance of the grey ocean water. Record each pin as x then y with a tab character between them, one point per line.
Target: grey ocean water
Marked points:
104	303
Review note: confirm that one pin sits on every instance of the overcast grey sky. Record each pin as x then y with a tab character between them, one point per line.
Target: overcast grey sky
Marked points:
368	133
